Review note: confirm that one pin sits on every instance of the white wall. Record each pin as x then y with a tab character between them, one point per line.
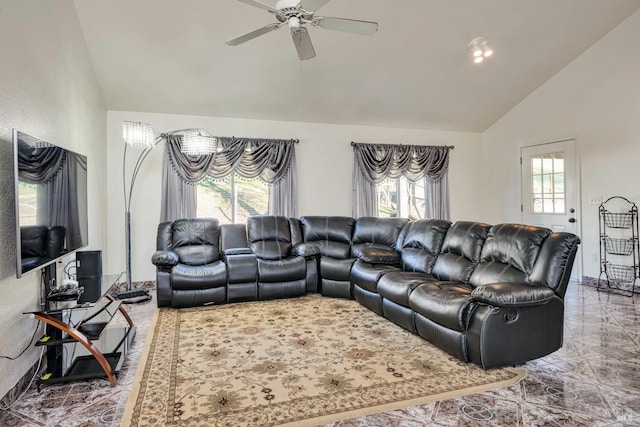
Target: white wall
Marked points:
596	100
324	157
49	90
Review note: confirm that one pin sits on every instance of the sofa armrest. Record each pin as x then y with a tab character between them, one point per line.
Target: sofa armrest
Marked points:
165	260
512	294
305	250
374	255
237	251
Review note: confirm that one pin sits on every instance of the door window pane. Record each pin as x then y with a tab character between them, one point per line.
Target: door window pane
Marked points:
548	183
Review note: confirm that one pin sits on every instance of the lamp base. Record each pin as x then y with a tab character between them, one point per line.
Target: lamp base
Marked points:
133	296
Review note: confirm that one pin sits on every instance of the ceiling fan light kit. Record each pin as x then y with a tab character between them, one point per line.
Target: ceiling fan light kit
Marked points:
480	49
296	14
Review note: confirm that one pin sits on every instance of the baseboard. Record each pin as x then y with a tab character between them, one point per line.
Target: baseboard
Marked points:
19	387
591	281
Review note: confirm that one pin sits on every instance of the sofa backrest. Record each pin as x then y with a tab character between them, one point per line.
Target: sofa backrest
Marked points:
420	243
233	236
41	241
509	253
461	251
376	232
554	263
269	236
194	240
331	234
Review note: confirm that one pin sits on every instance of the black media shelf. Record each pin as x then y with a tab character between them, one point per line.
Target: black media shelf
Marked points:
81	342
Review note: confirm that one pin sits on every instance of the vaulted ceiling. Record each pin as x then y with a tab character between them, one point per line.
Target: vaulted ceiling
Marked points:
170	56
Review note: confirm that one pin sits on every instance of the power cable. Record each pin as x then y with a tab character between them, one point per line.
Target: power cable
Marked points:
25	349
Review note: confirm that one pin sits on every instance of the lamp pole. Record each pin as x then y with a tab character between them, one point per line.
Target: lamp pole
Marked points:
128	192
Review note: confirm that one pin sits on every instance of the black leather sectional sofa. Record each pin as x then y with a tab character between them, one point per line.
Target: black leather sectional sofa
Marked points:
40	244
492	295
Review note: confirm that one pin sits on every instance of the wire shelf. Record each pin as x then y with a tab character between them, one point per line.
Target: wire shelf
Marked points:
619	246
618	220
620	273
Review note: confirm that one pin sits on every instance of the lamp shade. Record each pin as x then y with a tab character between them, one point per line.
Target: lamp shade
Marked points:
198	142
137	134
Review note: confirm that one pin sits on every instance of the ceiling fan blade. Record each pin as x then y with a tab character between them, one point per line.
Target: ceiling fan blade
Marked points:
313	5
260	5
303	43
354	26
253	34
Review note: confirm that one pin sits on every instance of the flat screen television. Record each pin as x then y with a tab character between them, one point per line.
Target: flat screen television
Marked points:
51	202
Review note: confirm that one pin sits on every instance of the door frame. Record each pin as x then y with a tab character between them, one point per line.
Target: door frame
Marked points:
579	261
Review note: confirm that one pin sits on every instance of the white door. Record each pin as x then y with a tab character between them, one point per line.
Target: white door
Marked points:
550	195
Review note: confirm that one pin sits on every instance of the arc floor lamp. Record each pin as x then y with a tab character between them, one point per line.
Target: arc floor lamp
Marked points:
139	135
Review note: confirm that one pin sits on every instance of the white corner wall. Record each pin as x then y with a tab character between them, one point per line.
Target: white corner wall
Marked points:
49	90
324	157
596	100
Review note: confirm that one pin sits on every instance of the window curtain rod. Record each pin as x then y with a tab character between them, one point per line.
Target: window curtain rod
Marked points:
451	147
295	141
173	132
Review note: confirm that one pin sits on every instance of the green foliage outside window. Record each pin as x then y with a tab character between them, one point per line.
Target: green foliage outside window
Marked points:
232	199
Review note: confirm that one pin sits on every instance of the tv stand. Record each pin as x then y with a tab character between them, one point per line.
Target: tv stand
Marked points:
82	344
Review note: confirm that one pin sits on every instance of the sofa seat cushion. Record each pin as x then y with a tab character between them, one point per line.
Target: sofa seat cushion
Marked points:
188	277
398	285
367	275
282	270
446	303
335	268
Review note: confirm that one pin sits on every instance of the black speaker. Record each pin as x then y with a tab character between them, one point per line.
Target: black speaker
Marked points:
89	275
88	264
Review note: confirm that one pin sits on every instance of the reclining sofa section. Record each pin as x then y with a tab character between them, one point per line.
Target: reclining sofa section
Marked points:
492	295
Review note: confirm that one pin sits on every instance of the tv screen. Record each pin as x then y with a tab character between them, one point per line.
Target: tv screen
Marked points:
51	202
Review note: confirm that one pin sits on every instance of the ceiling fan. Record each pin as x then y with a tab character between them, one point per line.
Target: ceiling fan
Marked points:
296	14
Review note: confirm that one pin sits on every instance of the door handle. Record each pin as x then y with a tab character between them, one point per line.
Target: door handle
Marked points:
572	220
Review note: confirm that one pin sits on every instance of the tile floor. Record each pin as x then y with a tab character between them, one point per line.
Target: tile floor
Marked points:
594	380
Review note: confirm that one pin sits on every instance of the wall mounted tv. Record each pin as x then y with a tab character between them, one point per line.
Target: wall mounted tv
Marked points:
51	202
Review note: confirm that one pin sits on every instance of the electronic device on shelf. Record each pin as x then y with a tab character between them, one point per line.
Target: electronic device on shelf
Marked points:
65	296
65	293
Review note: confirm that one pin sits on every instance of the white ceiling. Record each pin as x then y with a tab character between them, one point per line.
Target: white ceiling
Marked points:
170	56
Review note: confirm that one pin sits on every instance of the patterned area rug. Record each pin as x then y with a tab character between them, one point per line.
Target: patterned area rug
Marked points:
302	361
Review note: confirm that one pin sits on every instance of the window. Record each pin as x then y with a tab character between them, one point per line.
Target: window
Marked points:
28	203
232	199
401	198
548	185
